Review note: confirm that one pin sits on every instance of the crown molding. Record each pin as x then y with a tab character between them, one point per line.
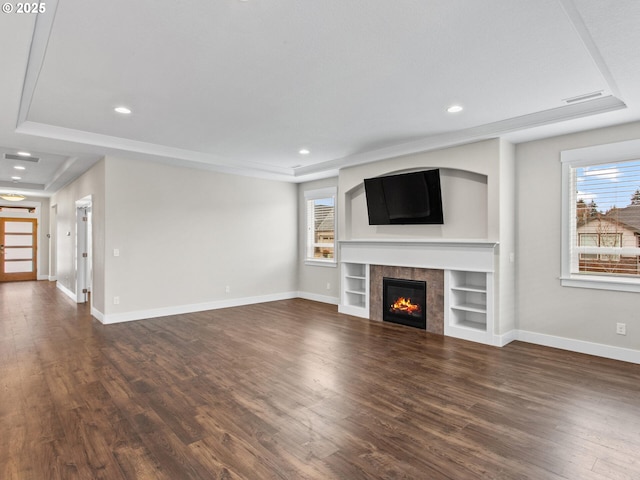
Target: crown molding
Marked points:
188	157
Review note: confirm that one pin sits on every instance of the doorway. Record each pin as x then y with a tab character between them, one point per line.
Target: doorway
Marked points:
18	249
84	253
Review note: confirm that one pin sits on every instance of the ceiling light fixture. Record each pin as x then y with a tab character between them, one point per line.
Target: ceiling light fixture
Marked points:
123	110
23	154
12	197
15	177
454	109
19	167
304	151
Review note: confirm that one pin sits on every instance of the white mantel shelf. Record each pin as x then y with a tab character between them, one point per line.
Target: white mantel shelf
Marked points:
460	254
463	242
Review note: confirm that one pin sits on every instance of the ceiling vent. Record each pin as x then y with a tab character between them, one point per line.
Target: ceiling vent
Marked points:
584	96
11	156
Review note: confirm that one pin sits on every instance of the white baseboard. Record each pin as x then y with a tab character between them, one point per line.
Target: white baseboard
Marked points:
53	278
42	277
570	344
318	298
66	291
505	338
580	346
97	314
196	307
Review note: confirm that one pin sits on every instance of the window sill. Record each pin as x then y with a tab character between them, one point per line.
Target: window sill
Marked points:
601	283
321	263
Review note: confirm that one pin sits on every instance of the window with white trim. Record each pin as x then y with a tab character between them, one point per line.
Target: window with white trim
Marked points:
321	226
601	217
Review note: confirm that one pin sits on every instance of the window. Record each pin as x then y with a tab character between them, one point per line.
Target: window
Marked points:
321	226
601	217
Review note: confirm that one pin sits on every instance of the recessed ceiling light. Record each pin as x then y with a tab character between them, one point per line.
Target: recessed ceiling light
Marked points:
454	109
304	151
123	110
16	178
19	167
24	154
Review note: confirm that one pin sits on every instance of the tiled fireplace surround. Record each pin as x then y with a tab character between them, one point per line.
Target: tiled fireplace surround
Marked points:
435	292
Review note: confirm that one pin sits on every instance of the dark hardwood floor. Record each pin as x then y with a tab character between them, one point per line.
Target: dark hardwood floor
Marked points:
294	390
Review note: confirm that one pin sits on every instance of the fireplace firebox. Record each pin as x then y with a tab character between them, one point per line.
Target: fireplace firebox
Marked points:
404	302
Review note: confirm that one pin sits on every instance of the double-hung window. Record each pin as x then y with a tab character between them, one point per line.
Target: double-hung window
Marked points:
601	217
321	226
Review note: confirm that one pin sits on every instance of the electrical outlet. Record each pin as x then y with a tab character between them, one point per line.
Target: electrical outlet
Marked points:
328	286
621	328
227	289
116	300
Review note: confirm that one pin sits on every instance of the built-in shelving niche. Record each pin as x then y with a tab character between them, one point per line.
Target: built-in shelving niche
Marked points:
468	306
355	289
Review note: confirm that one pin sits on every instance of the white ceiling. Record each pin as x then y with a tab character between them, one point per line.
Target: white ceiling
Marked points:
241	86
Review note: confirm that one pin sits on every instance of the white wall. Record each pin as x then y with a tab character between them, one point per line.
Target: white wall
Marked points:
184	235
543	306
313	279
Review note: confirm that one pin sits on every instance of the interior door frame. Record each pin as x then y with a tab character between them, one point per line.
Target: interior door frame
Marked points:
53	243
83	249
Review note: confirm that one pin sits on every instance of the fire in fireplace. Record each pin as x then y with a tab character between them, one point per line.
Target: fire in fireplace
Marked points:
404	302
404	305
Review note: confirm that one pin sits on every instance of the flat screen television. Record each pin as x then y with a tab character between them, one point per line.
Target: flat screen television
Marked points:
405	199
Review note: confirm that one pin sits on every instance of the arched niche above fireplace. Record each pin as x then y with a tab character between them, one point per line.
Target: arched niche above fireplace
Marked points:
461	189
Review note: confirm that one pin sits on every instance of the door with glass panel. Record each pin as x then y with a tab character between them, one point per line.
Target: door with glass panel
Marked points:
18	247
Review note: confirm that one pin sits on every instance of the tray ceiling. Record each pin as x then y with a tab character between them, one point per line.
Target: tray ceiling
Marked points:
242	86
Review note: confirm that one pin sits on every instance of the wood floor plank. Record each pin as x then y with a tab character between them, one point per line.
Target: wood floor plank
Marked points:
294	390
172	454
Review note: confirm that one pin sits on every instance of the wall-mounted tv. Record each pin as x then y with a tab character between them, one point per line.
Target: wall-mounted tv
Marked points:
405	199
